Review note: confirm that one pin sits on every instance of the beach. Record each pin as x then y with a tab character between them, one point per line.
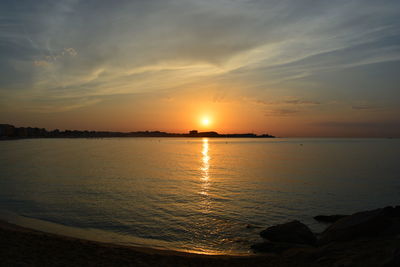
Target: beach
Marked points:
27	247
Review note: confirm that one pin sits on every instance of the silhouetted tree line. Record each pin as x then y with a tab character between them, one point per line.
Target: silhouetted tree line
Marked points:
8	131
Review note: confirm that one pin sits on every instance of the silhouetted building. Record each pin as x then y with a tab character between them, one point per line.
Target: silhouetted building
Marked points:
7	130
22	132
193	132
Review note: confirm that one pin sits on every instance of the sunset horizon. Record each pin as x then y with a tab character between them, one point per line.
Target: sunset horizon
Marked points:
203	128
200	133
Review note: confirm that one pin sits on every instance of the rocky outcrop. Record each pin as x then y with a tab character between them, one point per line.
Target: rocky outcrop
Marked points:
329	218
377	223
350	238
291	232
285	236
275	247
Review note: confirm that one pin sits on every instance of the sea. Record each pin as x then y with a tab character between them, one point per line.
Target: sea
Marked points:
201	195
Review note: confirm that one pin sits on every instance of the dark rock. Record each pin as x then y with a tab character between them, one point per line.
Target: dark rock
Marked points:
251	226
329	218
274	247
291	232
392	211
394	261
367	224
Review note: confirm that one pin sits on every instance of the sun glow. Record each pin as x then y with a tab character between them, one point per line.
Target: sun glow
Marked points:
205	121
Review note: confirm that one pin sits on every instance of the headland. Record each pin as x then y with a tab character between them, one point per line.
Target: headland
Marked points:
8	131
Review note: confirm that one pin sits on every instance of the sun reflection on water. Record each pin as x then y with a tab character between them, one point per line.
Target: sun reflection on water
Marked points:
205	168
205	160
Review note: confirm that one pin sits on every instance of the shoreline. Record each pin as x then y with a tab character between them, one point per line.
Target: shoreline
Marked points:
24	246
106	237
161	137
10	131
4	225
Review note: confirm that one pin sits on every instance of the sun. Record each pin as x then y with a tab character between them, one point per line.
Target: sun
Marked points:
205	121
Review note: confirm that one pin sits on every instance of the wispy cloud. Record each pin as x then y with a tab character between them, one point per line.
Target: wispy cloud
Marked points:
288	102
364	107
359	125
41	63
281	112
60	105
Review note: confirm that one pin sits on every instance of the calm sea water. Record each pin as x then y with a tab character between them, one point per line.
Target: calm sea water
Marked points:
191	194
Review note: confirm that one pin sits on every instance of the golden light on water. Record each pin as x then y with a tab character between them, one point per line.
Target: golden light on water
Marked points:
205	177
205	160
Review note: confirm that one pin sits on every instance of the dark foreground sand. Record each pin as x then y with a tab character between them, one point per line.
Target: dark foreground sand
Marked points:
25	247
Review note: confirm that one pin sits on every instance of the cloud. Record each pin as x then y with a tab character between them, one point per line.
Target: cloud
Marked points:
358	124
364	107
41	63
70	51
300	102
281	112
288	102
54	57
60	105
83	49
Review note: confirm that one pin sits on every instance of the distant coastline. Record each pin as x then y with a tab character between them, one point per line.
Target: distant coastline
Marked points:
8	132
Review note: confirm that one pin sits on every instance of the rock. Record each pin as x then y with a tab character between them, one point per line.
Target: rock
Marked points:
329	218
250	226
392	211
394	261
367	224
291	232
274	247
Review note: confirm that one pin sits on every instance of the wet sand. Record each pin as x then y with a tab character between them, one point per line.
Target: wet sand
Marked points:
21	246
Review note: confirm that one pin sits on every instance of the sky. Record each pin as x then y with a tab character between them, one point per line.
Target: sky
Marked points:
287	68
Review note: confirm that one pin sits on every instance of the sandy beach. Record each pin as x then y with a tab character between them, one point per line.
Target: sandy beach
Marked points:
26	247
21	246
